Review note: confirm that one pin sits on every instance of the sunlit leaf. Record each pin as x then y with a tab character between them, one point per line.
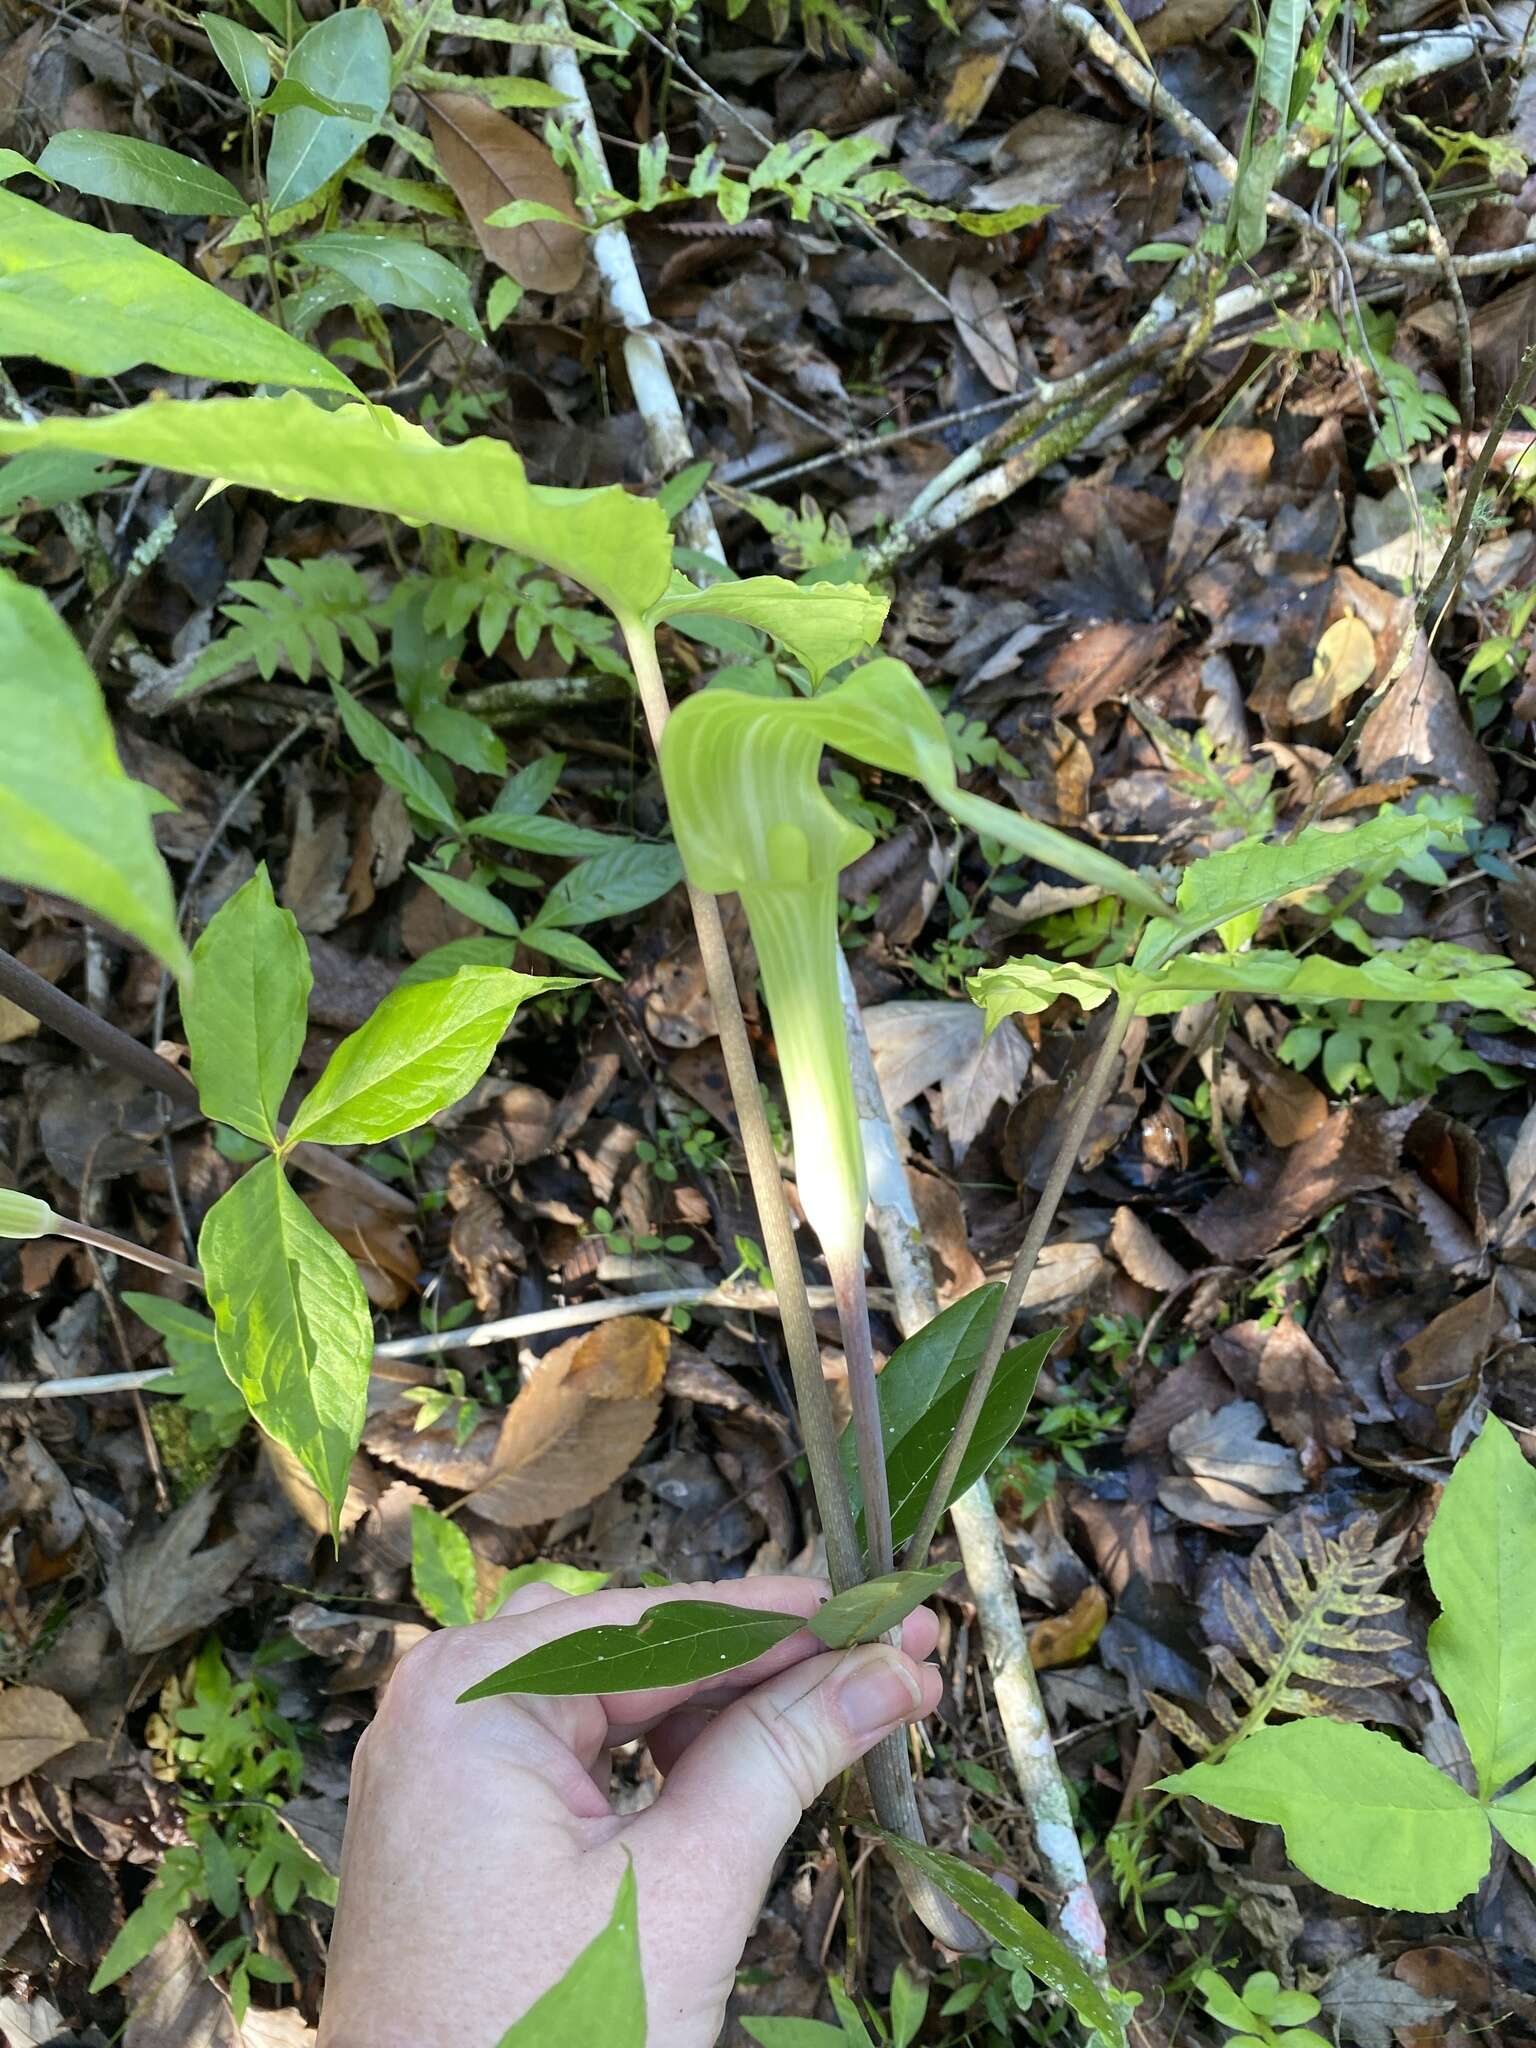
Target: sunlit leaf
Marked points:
443	1574
820	626
677	1643
246	1009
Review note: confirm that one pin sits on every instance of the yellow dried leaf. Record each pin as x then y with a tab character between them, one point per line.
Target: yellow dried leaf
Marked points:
1064	1638
1344	662
622	1360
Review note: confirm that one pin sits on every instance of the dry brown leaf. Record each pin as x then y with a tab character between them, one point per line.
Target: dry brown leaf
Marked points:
942	1222
481	1246
1228	1469
35	1725
921	1045
164	1587
1343	664
1065	1638
1308	1405
1288	1106
578	1425
490	161
1420	729
381	1245
305	1498
1222	477
1356	1149
1142	1255
981	321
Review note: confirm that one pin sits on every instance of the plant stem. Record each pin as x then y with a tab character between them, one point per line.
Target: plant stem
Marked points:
125	1248
1090	1097
818	1431
853	1315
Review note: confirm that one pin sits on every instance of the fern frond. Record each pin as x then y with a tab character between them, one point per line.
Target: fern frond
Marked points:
292	622
1310	1634
494	590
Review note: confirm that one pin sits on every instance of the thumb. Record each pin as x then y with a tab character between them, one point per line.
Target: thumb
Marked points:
752	1773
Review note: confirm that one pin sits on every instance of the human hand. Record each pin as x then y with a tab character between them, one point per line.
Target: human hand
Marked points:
482	1854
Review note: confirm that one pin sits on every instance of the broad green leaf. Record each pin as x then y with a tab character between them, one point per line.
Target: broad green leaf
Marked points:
396	764
344	57
471	899
186	1332
864	1613
135	173
944	1353
246	1008
395	269
14	165
422	1049
564	946
913	1463
1248	877
443	961
909	2007
1515	1818
530	833
242	53
1006	1923
1221	2001
143	309
442	1568
855	2033
547	1571
24	1215
820	626
52	476
601	1997
1487	982
197	1378
1362	1815
177	1883
292	1322
677	1643
794	2033
1481	1555
71	821
616	544
615	883
291	93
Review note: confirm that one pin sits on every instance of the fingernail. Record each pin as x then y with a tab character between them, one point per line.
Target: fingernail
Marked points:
876	1689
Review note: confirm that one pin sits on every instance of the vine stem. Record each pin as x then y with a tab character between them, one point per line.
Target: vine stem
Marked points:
1090	1098
887	1766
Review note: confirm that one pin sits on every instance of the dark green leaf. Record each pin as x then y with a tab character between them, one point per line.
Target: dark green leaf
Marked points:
395	269
396	764
1008	1925
471	899
135	173
344	57
445	960
864	1613
242	53
565	947
625	878
531	834
943	1354
677	1643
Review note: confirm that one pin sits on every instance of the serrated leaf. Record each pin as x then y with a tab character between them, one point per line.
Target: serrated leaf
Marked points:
136	173
1361	1815
71	821
395	269
292	1322
242	53
344	57
677	1643
422	1049
601	1997
143	309
614	543
865	1612
393	759
1006	1923
820	626
246	1008
442	1568
1480	1551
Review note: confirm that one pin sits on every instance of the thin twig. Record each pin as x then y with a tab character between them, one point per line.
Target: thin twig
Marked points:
1091	1095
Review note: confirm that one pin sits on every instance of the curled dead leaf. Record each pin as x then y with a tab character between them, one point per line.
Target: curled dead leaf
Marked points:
578	1425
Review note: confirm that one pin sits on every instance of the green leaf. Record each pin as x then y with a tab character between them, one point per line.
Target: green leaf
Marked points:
442	1568
913	1464
570	951
471	899
395	269
909	2007
135	173
616	544
246	1008
292	1322
290	93
177	1882
943	1354
422	1049
794	2033
1221	2001
601	1997
1362	1815
71	821
14	165
1257	873
1018	1933
1480	1552
242	53
821	626
677	1643
52	476
864	1613
393	759
443	961
533	834
1515	1818
613	884
547	1571
344	57
24	1215
143	309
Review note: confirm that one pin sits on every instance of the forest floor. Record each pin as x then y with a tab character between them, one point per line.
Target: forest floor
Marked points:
1292	1272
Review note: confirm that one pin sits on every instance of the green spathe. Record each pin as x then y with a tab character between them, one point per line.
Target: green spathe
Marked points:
614	543
71	821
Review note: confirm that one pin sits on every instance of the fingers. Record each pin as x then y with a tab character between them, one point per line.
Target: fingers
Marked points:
745	1780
